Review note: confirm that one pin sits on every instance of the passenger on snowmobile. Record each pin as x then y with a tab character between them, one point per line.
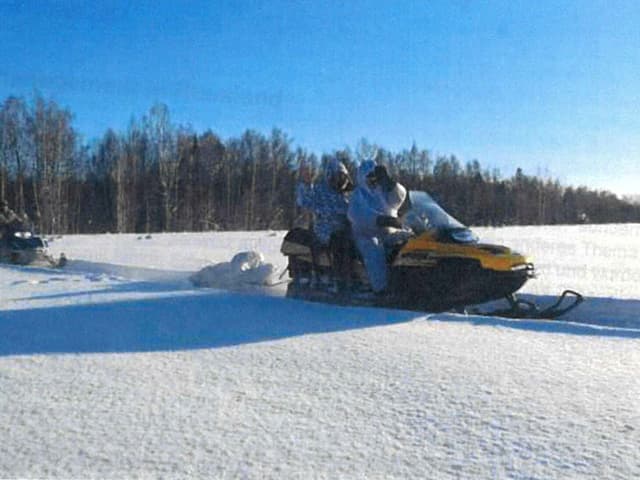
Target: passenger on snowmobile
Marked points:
328	200
373	212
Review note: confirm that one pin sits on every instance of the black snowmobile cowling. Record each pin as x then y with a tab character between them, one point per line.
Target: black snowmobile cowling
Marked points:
435	264
20	246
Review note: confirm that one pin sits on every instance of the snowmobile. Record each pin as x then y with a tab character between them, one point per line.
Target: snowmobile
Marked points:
435	264
19	245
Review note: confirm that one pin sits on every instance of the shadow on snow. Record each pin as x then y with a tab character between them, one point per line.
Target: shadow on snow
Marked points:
214	318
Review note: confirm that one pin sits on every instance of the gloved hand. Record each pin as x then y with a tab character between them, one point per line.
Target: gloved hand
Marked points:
383	178
388	221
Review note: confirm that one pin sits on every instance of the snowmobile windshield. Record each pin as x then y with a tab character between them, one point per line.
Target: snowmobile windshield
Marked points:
425	214
18	229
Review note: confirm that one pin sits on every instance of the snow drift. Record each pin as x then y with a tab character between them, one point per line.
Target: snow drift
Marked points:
244	269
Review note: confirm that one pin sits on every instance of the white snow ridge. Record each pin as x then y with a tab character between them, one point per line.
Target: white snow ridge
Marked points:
119	367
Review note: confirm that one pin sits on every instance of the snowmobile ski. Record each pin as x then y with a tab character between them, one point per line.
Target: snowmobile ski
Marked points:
525	309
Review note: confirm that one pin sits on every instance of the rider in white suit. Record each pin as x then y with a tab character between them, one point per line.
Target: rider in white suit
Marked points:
373	211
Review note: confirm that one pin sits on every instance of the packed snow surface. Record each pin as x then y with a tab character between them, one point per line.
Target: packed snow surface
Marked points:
118	367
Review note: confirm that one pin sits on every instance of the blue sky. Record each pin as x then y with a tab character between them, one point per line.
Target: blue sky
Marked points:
552	87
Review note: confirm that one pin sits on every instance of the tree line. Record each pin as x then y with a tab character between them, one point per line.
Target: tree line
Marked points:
157	176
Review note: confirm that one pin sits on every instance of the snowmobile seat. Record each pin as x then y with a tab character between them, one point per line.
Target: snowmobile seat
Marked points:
300	243
299	236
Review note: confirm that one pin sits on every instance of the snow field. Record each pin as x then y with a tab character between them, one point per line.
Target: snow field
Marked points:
424	399
118	368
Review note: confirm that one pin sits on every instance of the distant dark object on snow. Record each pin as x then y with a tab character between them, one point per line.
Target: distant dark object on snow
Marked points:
635	199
